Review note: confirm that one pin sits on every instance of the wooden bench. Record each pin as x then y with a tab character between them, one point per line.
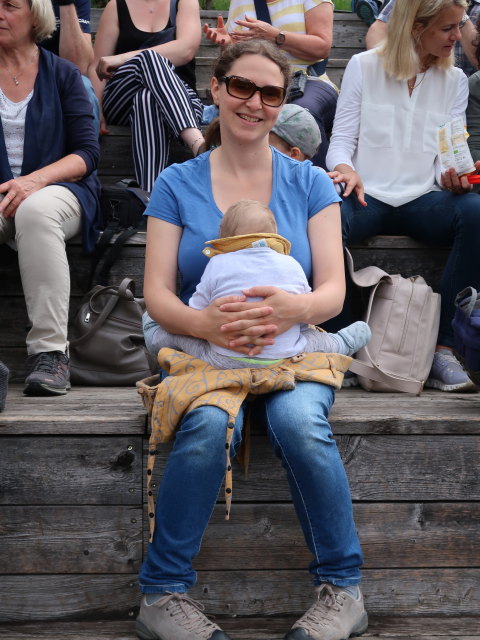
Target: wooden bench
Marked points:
73	525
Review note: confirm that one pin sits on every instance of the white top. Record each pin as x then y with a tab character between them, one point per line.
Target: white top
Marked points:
286	15
388	136
13	123
228	274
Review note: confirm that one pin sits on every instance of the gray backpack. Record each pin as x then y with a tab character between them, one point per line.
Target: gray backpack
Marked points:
404	316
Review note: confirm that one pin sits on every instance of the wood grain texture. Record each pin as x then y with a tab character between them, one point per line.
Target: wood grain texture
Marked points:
252	628
388	592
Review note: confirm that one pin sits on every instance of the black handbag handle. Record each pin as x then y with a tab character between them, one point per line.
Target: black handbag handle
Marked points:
125	290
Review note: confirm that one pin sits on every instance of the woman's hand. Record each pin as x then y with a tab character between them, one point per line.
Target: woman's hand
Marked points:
285	310
233	323
352	181
107	65
451	181
255	29
15	191
219	34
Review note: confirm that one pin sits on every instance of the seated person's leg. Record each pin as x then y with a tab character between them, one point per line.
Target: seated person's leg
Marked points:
44	221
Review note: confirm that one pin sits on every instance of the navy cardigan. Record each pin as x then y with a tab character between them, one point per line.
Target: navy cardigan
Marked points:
58	122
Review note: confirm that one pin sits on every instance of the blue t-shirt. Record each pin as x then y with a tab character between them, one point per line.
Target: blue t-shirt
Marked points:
83	12
182	195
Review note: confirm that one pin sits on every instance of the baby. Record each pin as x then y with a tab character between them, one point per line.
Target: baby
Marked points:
250	251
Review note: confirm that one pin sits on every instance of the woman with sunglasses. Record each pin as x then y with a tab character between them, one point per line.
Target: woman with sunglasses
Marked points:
384	148
144	76
185	211
303	29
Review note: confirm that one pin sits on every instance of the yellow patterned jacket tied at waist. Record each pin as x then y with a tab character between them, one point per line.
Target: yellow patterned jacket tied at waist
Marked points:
192	383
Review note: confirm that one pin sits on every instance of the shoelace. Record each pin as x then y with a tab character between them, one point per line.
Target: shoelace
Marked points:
323	611
188	613
47	362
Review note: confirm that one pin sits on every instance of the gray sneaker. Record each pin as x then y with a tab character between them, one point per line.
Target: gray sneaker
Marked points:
48	374
176	617
447	374
334	616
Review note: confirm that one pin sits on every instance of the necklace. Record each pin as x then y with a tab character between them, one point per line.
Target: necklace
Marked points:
15	76
412	84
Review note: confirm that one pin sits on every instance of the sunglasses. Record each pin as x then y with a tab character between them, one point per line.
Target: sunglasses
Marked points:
243	89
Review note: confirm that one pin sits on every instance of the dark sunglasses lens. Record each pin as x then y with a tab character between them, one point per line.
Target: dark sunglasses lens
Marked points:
240	88
273	96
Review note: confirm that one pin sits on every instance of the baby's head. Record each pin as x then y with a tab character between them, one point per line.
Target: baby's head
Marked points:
247	216
296	133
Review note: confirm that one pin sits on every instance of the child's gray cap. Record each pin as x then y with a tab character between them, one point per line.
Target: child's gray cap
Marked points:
298	128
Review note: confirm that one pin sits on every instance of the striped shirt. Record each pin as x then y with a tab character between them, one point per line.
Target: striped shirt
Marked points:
286	15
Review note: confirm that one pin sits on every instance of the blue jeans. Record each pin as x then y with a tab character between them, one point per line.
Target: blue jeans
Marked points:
438	218
321	100
297	426
94	101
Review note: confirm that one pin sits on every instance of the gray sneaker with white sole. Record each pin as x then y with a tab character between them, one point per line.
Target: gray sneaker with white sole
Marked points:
175	616
335	615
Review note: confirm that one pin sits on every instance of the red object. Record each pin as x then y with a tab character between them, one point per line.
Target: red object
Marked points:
475	179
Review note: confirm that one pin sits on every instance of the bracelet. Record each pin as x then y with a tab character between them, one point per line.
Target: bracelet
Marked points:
195	142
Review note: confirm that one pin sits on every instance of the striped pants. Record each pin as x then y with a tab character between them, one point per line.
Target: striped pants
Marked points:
146	93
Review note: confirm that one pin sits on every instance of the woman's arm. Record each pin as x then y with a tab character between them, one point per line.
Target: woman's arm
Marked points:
71	168
314	45
178	51
79	144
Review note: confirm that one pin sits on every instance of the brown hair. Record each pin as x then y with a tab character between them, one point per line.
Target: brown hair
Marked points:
247	216
224	63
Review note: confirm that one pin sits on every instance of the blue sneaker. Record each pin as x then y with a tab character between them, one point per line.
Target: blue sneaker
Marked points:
447	374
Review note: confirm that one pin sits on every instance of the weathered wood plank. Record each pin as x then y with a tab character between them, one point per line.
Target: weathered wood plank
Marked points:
394	535
76	471
84	410
379	468
274	628
104	539
244	593
108	539
102	410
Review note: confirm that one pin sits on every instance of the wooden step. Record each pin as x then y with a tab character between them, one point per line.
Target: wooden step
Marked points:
391	628
73	523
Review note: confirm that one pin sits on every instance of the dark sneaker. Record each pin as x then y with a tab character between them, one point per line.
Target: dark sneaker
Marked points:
334	616
447	374
367	10
4	373
48	374
176	617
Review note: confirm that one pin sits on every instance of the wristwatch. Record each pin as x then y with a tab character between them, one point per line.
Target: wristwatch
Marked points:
280	38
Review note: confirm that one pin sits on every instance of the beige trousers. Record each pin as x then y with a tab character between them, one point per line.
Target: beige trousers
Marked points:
42	224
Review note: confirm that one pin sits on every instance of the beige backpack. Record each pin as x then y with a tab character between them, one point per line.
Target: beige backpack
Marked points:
404	316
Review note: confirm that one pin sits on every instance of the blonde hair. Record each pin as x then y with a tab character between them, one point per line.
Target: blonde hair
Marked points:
247	216
43	19
409	19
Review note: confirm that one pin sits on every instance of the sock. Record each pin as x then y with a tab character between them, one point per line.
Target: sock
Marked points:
151	598
352	590
353	337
